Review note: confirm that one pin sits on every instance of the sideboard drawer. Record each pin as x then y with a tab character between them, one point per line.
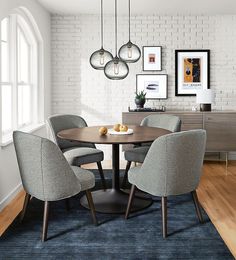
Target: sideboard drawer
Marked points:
189	121
186	127
135	118
192	119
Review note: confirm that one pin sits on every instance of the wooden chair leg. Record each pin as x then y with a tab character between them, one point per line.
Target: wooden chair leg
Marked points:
131	197
26	203
102	175
91	206
197	206
67	202
45	221
164	216
123	185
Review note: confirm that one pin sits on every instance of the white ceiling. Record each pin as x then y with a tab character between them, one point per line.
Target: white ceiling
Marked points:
142	6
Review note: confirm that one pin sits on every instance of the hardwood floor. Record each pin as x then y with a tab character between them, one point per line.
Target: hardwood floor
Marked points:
9	213
216	192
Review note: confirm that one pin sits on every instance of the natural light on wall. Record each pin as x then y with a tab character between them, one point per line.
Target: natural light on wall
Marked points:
19	76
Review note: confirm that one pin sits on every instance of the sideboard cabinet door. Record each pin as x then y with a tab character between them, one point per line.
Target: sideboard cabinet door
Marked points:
190	121
221	131
135	118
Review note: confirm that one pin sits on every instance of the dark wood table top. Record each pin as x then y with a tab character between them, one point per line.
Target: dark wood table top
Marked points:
142	134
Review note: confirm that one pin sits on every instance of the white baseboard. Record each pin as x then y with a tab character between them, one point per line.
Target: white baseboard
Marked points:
10	196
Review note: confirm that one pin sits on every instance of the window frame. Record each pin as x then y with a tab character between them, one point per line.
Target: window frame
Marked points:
29	80
8	49
22	21
9	82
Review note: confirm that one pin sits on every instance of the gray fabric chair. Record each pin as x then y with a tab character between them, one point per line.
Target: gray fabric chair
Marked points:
172	166
138	153
47	176
76	153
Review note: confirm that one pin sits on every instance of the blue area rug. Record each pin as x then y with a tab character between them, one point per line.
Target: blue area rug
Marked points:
72	235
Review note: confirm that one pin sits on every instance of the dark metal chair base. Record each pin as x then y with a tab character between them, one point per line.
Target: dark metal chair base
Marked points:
114	202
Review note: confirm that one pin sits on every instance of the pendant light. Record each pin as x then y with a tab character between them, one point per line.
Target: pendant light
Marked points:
99	58
116	68
129	52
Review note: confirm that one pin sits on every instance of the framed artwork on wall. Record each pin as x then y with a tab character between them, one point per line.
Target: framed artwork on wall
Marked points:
154	85
192	71
152	58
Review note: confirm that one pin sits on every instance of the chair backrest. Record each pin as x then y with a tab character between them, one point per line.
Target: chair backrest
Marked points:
44	171
58	123
168	122
173	164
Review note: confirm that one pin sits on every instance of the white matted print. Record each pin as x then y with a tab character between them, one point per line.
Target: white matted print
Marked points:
151	58
154	85
192	71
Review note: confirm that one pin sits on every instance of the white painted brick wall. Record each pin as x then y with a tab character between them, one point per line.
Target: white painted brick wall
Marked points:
79	89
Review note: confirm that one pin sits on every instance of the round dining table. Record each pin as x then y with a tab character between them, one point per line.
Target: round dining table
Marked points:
114	200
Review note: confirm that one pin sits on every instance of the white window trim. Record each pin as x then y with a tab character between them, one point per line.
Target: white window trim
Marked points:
7	139
38	79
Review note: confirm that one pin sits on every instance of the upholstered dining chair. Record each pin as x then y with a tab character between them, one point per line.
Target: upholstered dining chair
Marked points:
138	153
173	166
76	153
47	176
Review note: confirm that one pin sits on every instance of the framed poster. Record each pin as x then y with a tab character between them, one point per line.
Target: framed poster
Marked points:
154	85
151	58
192	71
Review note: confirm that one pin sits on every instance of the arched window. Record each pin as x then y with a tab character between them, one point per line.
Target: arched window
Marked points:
19	76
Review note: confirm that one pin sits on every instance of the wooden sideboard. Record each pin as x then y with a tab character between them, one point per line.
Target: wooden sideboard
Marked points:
219	125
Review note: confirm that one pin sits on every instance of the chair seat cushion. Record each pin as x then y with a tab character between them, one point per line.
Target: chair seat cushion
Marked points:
85	177
143	144
137	154
133	175
82	155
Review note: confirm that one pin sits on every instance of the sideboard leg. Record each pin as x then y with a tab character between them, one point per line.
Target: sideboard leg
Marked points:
226	160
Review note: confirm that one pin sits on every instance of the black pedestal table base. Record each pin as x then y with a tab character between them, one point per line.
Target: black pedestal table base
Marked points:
114	201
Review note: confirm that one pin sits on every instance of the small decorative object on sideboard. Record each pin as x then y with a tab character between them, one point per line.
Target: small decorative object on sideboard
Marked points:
148	109
205	98
140	99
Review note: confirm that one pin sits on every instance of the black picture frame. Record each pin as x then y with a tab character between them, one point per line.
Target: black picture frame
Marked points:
143	57
152	77
207	70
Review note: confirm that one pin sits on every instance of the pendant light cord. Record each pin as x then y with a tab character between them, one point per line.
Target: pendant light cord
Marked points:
102	23
116	25
129	20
